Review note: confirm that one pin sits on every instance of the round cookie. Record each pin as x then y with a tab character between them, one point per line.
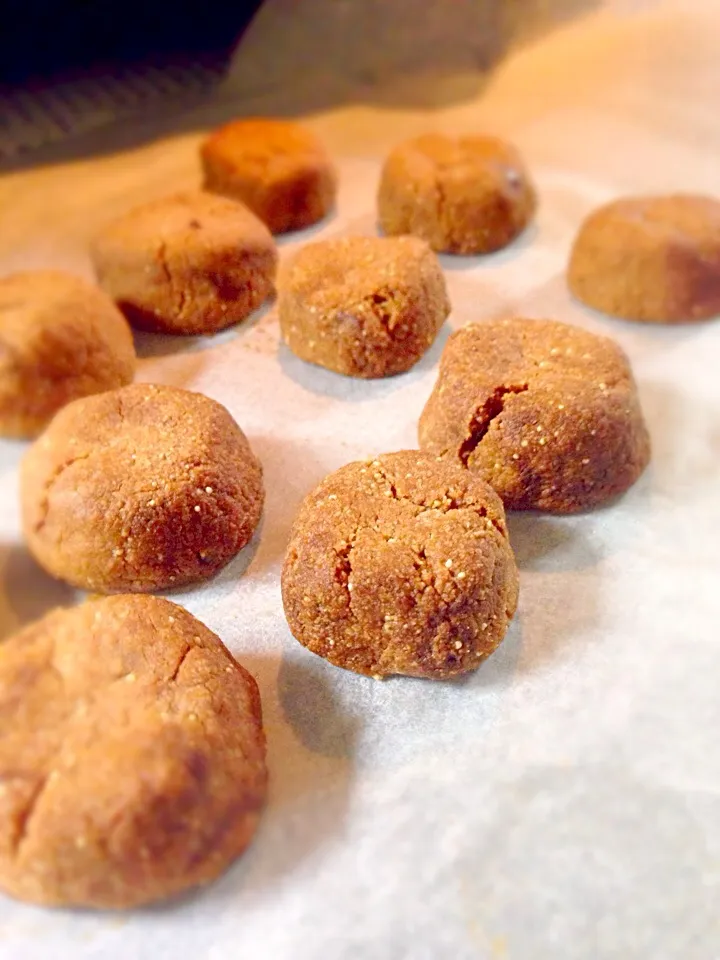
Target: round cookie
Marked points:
547	413
655	259
140	489
191	263
363	306
400	565
60	338
132	756
276	167
462	194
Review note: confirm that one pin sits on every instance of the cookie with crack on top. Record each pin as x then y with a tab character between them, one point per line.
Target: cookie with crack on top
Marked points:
60	338
140	489
132	756
191	263
362	306
547	413
278	168
400	565
655	259
463	195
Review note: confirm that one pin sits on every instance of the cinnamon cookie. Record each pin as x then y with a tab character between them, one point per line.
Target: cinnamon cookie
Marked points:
655	259
362	306
60	338
191	263
140	489
276	167
461	194
132	756
400	565
547	413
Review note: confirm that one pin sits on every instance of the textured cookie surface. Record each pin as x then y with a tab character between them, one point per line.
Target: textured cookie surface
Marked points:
60	338
400	565
276	167
655	259
463	195
140	489
362	306
545	412
190	263
132	755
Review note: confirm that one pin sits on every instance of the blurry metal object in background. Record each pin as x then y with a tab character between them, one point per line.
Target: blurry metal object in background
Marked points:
69	66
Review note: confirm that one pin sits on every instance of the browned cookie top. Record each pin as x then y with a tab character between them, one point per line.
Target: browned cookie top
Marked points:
362	306
650	258
60	338
467	194
132	757
400	565
545	412
140	489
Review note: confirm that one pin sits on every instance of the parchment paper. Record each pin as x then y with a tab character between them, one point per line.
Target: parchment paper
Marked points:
564	801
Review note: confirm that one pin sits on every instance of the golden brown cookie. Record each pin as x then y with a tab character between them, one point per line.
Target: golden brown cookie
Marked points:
400	565
362	306
140	489
650	258
60	338
187	264
132	755
547	413
276	167
461	194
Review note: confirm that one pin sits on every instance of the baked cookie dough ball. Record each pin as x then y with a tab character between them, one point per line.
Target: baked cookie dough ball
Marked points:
191	263
655	259
400	565
132	756
60	338
362	306
547	413
276	167
140	489
461	194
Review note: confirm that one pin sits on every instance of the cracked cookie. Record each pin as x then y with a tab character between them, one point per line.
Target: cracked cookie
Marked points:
60	338
279	169
547	413
400	565
132	756
191	263
655	259
362	306
140	489
463	195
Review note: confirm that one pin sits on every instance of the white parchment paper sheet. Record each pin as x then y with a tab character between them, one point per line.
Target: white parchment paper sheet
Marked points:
563	802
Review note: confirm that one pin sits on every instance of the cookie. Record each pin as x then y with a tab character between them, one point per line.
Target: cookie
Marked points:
191	263
545	412
132	756
400	565
140	489
60	338
362	306
276	167
655	259
462	194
